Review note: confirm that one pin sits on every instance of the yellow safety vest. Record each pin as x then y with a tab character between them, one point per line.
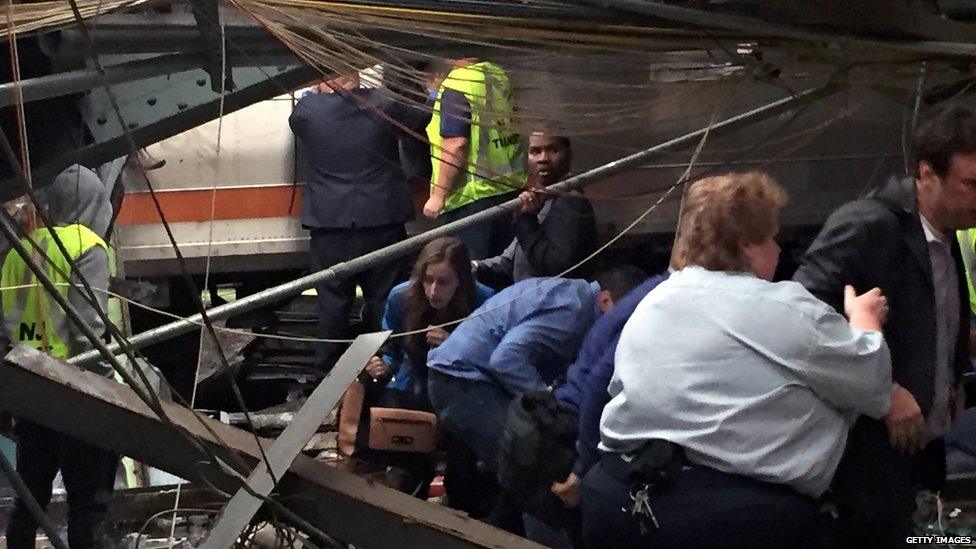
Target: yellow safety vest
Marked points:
28	311
495	162
967	245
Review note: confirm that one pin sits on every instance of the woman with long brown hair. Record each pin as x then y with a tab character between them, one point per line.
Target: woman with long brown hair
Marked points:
441	289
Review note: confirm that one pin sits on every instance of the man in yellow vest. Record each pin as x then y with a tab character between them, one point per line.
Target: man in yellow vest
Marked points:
960	442
477	156
77	204
967	246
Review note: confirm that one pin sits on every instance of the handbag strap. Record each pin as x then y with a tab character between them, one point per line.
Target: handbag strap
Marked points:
349	414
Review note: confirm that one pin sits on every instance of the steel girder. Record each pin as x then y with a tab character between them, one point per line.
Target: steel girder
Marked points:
109	415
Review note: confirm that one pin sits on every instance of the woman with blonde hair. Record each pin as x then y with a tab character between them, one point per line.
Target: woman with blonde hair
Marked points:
731	395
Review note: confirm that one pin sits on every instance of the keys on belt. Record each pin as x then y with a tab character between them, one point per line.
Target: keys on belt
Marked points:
642	508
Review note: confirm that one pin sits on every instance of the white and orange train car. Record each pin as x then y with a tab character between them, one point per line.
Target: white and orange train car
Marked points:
239	205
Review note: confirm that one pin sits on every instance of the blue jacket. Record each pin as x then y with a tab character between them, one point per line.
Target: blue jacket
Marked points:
523	337
405	377
585	389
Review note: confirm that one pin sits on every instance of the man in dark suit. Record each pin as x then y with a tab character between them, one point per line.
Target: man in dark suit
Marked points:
900	239
356	197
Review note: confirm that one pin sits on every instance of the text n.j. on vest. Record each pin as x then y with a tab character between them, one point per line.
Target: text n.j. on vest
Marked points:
32	318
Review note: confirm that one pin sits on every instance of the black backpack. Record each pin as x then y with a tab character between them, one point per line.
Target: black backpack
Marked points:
537	448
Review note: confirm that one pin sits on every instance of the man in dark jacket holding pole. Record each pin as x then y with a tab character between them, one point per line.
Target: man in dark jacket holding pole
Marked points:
552	233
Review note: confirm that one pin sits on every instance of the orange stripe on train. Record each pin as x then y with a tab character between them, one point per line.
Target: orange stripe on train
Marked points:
194	205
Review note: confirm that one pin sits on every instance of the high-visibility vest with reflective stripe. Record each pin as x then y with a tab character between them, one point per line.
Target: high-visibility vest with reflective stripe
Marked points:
32	317
967	245
495	162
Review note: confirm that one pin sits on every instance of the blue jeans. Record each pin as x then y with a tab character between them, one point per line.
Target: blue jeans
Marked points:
472	411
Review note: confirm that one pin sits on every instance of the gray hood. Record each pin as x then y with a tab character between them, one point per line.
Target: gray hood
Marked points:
77	195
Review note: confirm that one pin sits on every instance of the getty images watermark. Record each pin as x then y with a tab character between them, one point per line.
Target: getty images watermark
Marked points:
940	540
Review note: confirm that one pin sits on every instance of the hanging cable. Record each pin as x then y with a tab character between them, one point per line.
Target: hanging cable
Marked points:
90	47
206	273
415	242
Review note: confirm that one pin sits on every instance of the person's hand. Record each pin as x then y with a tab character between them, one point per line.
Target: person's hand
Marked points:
433	207
906	426
436	336
377	367
568	491
531	202
866	312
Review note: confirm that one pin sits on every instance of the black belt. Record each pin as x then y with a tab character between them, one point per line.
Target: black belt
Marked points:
615	466
656	461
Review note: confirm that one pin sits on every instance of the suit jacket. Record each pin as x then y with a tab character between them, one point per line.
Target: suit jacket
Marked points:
878	241
545	244
355	177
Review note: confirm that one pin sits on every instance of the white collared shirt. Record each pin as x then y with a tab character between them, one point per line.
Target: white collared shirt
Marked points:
750	377
945	282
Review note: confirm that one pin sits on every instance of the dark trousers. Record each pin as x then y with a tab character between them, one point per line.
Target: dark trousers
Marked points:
487	239
875	486
474	412
567	534
88	474
331	246
469	488
704	508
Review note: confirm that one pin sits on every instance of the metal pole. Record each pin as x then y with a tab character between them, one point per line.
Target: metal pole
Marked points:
129	38
404	247
752	27
27	497
338	503
65	83
241	508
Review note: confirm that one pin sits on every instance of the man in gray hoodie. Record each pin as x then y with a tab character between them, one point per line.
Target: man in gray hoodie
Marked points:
77	204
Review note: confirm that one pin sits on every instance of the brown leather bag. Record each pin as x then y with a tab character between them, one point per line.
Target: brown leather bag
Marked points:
390	429
400	430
